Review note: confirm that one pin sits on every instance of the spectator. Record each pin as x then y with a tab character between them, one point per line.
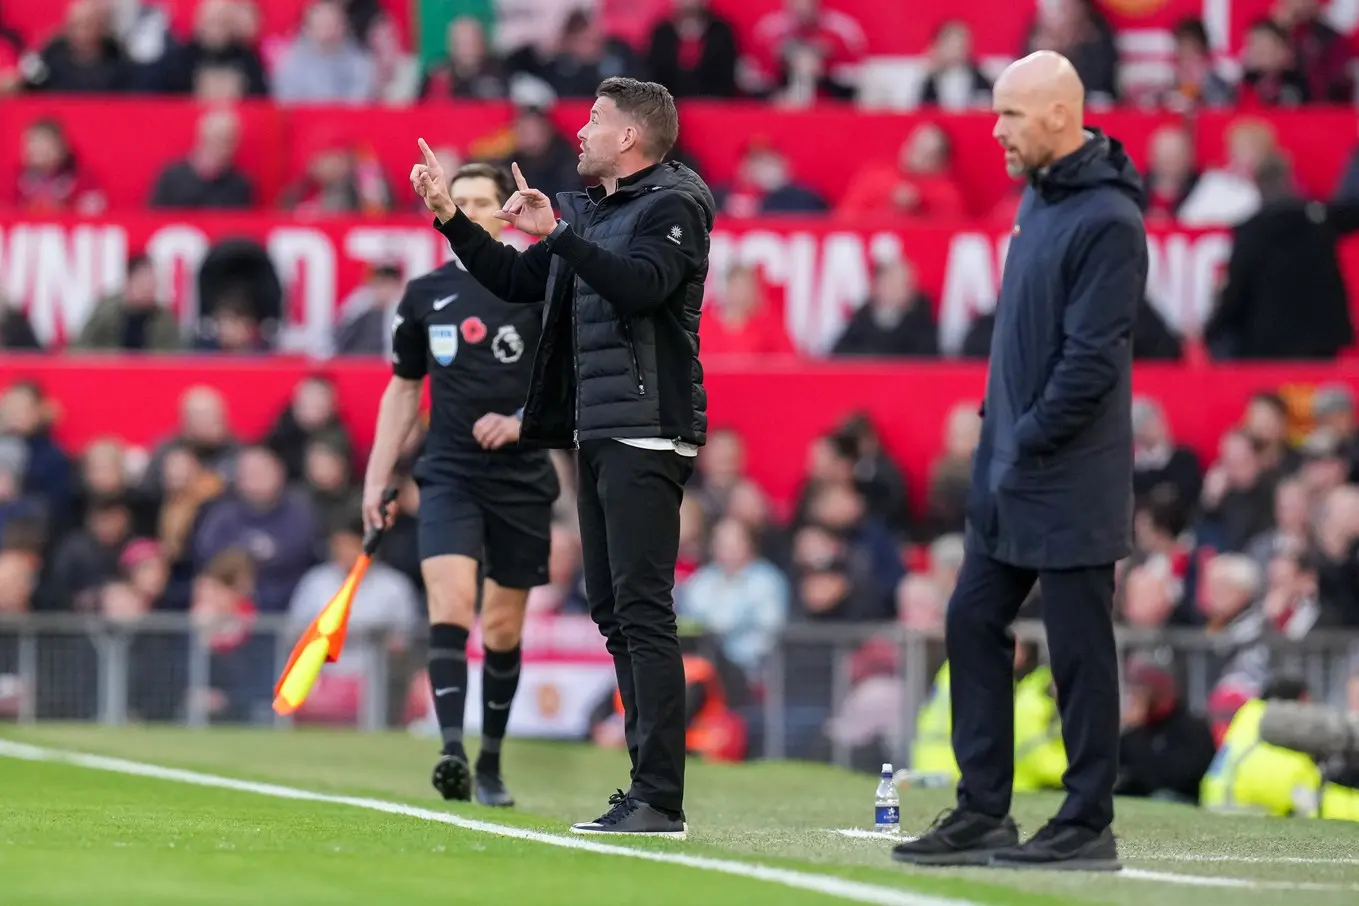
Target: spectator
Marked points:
218	86
738	597
1163	553
385	609
876	476
324	65
920	185
15	504
469	72
1158	460
329	482
827	587
217	44
748	505
188	491
203	432
545	158
140	584
276	525
1233	582
1324	466
1333	412
1146	601
841	510
104	475
954	81
721	466
1284	296
1269	75
232	327
208	177
897	319
1197	82
1238	498
1290	603
1227	196
1292	525
804	52
85	560
133	320
25	414
694	52
241	663
16	331
922	598
1171	175
951	474
1164	750
51	181
741	320
85	58
585	57
19	570
311	417
1338	557
1080	32
765	185
368	313
339	179
1323	56
142	30
396	72
1266	422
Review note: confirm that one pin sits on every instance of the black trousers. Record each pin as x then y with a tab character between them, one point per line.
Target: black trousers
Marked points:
1078	618
629	507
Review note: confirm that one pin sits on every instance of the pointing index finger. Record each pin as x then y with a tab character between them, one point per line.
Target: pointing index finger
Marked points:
430	159
519	177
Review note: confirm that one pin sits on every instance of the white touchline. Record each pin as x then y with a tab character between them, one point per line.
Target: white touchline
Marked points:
856	891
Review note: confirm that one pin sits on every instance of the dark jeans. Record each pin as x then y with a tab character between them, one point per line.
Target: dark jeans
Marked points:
629	527
1078	617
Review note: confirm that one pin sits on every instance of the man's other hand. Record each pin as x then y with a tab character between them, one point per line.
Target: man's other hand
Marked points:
494	431
375	515
528	210
431	183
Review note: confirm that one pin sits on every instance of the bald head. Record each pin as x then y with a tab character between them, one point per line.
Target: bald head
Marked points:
1040	108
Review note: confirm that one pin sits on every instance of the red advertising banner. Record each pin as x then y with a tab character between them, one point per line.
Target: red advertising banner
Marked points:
276	143
778	406
818	272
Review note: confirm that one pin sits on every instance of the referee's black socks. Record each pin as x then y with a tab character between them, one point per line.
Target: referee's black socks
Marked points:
448	682
499	681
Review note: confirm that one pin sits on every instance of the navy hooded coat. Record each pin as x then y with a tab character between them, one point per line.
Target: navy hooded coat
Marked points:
1052	475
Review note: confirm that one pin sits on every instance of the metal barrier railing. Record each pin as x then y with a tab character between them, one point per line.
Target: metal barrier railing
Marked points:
162	667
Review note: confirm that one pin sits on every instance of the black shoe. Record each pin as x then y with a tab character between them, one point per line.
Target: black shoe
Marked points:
452	778
635	818
959	838
490	790
1067	847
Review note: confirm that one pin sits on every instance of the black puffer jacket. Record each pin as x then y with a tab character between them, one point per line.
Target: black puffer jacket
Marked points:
623	276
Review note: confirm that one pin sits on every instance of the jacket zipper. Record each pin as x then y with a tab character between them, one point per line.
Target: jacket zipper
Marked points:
632	353
575	334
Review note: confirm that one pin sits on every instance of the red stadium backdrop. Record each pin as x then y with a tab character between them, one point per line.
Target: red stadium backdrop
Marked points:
818	270
778	406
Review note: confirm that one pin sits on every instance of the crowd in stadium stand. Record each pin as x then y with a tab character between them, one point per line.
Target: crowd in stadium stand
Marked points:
1260	542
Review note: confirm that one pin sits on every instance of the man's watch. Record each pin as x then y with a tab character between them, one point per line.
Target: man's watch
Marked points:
556	231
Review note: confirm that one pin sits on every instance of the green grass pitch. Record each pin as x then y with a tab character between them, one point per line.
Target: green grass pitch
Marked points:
759	834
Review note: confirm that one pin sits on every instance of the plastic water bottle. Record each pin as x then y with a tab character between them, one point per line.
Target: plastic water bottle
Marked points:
887	804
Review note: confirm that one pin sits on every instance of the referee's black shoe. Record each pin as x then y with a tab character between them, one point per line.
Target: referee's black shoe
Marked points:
1063	847
959	837
490	790
634	818
452	778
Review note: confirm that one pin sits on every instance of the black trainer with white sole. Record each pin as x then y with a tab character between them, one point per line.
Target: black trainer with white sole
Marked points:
634	818
490	790
453	778
959	837
1063	847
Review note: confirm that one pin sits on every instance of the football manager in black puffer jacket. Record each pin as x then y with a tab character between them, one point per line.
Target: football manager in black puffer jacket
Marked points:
616	375
1051	496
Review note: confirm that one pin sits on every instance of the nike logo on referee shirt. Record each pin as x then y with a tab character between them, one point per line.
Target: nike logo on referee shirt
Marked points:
446	690
441	304
496	706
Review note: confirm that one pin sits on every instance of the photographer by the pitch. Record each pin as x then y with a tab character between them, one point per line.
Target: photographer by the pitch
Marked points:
617	374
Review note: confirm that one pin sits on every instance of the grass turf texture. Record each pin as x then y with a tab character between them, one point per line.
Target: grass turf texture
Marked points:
72	834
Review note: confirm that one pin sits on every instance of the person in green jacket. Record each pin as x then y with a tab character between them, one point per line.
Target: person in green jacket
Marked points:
133	320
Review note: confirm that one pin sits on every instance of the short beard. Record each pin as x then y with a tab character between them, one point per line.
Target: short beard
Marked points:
593	169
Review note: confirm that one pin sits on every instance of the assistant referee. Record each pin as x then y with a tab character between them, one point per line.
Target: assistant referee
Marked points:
617	375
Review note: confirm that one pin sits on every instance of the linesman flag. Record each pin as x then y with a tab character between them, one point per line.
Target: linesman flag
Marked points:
324	639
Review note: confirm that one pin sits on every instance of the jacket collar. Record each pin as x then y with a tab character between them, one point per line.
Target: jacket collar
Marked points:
626	184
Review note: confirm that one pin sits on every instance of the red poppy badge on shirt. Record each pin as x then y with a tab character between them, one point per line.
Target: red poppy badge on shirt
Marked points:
473	330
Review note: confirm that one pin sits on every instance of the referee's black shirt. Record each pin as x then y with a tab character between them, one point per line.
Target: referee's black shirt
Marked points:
478	353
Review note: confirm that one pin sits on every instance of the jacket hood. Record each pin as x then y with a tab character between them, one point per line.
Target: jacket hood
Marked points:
1101	161
670	174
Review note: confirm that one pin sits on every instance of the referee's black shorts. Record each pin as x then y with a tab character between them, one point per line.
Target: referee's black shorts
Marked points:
492	522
